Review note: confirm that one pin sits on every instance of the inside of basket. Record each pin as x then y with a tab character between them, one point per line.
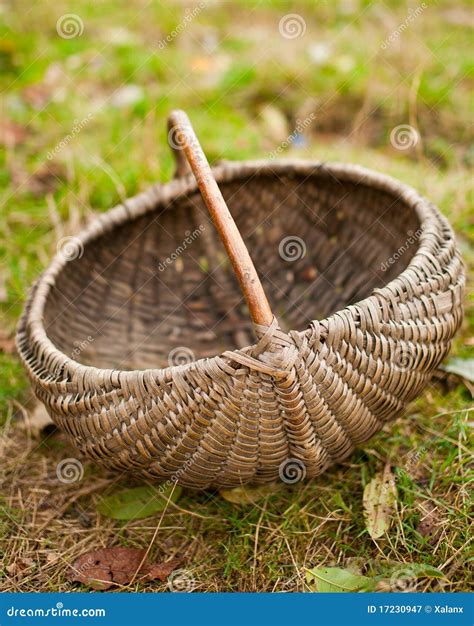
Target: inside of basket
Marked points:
159	290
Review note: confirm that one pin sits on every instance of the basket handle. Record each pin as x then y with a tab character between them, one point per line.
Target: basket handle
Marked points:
183	140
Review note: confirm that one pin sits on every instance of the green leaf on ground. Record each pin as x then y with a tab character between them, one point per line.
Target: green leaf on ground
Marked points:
461	367
138	502
423	570
404	577
337	580
248	495
379	500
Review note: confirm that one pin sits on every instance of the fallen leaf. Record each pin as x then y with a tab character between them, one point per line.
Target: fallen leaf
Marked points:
355	564
248	495
18	569
403	577
161	571
138	502
379	501
100	569
464	368
337	580
423	570
37	420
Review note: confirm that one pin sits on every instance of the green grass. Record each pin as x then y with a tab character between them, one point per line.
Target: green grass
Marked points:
358	95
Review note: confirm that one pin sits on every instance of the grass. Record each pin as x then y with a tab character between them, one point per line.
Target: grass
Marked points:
225	67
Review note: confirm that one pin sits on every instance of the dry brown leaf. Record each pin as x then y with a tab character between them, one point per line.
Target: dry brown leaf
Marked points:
380	496
100	569
161	571
18	569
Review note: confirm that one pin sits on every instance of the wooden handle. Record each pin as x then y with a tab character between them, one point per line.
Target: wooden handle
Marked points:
182	137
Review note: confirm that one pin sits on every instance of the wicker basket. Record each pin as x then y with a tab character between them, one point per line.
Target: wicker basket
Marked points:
139	342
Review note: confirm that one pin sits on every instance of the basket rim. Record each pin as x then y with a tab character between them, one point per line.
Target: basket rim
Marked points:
32	320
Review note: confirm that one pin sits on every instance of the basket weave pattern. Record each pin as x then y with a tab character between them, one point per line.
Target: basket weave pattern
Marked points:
368	342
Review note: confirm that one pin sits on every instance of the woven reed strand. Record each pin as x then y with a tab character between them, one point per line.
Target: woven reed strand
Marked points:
362	320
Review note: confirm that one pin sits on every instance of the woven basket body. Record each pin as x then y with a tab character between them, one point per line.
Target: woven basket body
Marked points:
142	350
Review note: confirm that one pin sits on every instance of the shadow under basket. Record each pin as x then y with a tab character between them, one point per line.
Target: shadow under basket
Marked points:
157	347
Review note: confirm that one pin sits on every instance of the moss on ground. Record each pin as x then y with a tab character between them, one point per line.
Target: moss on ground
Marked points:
224	67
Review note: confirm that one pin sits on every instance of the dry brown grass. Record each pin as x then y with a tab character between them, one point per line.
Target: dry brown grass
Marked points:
421	79
267	546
